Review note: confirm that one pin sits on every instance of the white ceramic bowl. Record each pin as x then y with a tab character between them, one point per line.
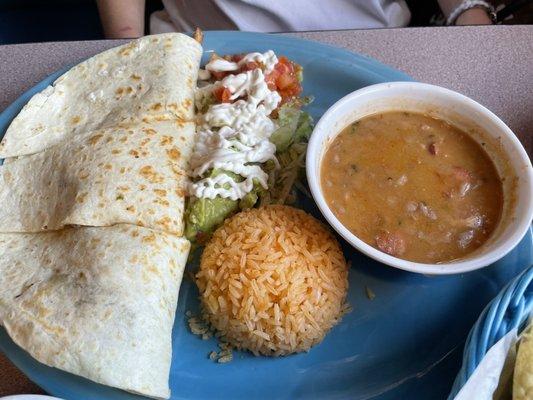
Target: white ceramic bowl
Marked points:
510	158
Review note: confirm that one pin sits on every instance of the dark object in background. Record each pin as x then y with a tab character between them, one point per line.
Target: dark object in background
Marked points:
515	11
23	21
151	6
423	11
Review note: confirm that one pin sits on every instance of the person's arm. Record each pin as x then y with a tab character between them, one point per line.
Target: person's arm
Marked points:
473	16
122	18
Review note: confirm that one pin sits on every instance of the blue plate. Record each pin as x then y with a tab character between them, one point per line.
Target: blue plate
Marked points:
404	344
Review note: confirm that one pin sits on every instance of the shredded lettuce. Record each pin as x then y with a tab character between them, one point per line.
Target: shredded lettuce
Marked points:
295	127
288	124
304	128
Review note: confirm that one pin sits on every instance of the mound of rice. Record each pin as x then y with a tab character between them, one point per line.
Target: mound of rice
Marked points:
272	280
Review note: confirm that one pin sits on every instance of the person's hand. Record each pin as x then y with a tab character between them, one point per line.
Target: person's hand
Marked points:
474	16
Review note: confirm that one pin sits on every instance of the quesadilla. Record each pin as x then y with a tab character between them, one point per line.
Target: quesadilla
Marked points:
151	78
133	174
96	302
92	193
523	370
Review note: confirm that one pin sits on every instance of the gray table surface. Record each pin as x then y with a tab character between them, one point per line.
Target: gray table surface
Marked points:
491	64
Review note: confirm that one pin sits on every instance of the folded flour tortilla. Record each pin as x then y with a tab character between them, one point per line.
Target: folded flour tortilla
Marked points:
523	370
104	149
96	302
152	78
129	174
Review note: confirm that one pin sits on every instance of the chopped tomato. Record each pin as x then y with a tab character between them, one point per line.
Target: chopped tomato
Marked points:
271	80
290	91
222	94
250	66
284	66
219	75
284	79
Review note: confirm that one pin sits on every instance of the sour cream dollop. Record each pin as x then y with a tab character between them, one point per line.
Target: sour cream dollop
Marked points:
268	60
235	136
